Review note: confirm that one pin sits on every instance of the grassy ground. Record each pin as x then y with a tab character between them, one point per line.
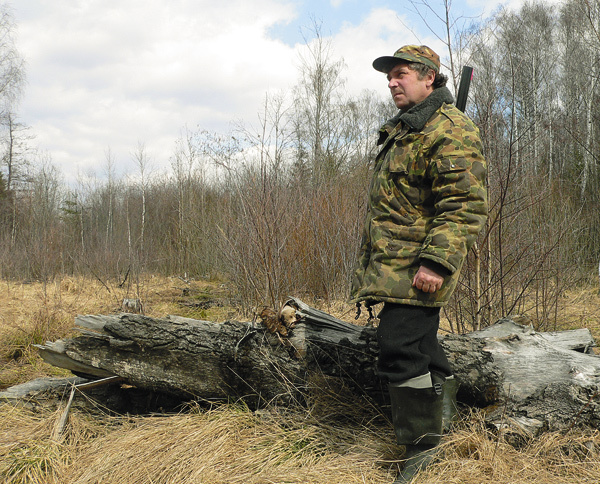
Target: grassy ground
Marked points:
332	441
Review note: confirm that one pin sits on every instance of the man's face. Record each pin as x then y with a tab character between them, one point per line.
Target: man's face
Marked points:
406	87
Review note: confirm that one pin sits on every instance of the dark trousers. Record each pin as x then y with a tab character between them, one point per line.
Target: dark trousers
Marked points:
408	345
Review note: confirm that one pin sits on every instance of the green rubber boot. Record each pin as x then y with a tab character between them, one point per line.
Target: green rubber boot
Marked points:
417	458
417	417
449	406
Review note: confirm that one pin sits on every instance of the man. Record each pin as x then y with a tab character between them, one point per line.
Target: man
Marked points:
427	203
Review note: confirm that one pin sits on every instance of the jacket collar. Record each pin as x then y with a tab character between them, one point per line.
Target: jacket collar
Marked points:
416	117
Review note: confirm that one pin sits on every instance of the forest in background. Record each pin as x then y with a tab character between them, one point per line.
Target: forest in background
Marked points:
277	208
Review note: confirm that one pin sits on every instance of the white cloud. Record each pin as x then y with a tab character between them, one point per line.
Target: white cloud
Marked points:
107	73
104	73
381	33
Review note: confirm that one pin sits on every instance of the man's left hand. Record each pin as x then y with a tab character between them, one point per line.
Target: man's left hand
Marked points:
427	280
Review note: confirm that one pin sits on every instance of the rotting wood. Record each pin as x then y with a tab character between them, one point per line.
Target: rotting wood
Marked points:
529	380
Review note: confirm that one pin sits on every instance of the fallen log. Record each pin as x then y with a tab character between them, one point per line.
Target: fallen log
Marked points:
533	380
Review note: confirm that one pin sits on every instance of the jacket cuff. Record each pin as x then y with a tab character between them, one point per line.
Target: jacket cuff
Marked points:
435	267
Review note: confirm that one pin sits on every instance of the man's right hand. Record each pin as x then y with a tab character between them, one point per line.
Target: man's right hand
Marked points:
427	280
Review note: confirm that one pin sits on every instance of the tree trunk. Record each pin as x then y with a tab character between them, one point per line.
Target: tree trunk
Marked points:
534	380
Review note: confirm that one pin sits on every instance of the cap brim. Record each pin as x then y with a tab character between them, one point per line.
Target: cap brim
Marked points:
386	63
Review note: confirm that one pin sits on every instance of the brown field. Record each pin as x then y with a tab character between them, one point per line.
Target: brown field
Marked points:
332	441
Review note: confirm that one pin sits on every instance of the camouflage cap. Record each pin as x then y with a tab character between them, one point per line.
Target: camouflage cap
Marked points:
409	53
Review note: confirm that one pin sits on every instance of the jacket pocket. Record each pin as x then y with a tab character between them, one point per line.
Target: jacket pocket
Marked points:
448	165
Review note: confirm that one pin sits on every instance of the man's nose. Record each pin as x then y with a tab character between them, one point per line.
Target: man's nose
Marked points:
393	82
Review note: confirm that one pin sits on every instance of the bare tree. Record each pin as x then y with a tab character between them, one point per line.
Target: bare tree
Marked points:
12	78
42	235
12	72
16	151
195	234
453	31
317	120
585	38
110	195
143	164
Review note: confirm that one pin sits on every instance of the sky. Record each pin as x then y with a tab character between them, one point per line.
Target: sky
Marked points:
111	76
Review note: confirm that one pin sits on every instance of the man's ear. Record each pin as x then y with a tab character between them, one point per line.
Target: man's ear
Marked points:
430	78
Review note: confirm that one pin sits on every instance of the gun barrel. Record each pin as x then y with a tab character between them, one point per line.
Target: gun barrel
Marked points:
463	88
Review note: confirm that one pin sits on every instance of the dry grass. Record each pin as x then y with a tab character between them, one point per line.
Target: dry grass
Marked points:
473	454
225	445
232	445
333	440
581	309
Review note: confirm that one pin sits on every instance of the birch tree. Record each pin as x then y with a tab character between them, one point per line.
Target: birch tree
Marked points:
12	79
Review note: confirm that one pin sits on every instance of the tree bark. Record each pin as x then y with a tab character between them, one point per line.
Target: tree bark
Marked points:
534	381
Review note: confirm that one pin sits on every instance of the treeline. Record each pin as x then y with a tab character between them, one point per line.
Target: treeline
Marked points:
277	208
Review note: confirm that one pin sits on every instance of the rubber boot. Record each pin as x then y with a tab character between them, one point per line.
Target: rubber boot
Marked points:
417	458
450	407
417	419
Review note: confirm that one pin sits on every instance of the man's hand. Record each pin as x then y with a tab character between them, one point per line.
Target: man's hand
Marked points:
427	280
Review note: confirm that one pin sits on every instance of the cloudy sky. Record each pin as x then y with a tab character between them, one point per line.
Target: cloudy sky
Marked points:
108	74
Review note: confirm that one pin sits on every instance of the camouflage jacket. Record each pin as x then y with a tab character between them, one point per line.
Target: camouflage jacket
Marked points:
427	203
